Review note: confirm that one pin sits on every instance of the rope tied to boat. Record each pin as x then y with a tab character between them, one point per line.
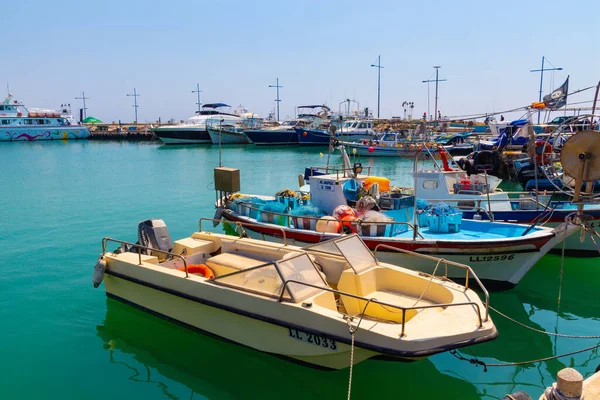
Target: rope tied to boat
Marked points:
544	332
352	330
476	361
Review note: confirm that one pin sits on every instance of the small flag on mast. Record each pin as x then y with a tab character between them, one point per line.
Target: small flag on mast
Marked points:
558	97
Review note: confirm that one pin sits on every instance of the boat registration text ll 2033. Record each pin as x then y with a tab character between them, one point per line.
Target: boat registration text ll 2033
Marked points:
317	340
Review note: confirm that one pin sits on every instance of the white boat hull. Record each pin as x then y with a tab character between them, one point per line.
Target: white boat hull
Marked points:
234	327
227	137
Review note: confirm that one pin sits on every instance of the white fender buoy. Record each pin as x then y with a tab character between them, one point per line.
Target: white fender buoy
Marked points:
99	269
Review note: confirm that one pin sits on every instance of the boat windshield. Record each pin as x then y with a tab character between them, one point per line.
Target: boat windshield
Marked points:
352	248
268	279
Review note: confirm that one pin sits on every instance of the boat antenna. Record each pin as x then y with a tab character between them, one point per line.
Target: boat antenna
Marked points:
220	134
332	130
415	220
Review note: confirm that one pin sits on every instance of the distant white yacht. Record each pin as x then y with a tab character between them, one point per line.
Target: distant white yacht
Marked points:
193	130
17	123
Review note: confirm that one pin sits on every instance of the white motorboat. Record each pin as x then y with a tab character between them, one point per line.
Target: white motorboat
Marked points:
313	305
193	130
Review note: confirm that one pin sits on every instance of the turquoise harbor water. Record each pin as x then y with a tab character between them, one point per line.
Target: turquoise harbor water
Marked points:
62	339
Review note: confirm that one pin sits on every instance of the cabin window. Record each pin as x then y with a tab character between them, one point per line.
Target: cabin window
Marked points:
6	122
1	108
28	121
370	125
362	125
41	122
430	184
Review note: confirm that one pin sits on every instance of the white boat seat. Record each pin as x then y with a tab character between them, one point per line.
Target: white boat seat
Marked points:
226	263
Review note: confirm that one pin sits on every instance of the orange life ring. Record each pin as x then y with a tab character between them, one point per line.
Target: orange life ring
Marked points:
543	151
347	226
199	269
19	114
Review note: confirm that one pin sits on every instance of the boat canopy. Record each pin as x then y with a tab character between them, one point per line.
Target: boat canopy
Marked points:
518	122
316	106
215	105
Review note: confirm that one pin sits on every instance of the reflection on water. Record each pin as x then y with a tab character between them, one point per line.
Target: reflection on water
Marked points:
534	302
153	351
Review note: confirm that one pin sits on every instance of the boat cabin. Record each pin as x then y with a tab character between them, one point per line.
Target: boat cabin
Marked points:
457	188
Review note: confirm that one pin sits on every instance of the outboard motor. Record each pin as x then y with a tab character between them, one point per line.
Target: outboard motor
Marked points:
153	233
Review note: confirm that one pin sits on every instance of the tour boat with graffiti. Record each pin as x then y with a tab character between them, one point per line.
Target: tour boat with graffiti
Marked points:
18	123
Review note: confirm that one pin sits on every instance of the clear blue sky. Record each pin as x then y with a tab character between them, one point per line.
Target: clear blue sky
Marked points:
320	50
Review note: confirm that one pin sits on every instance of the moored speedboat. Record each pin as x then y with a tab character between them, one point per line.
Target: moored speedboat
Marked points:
17	123
280	135
303	304
193	130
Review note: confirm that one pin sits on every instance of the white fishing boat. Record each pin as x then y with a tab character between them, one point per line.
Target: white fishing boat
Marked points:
479	197
500	253
228	131
18	123
323	306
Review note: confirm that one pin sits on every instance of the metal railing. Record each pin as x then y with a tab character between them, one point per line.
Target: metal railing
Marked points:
463	266
383	304
139	248
357	223
492	200
336	170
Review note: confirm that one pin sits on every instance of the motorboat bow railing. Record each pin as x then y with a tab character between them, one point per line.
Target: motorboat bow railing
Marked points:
381	303
468	274
140	247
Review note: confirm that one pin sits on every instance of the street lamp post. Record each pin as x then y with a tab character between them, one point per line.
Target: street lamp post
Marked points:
84	107
436	80
378	66
542	79
277	100
135	104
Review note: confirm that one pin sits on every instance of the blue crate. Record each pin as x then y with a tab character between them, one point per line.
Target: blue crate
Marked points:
444	223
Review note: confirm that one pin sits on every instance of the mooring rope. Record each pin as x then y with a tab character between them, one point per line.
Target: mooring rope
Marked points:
485	365
351	361
352	330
